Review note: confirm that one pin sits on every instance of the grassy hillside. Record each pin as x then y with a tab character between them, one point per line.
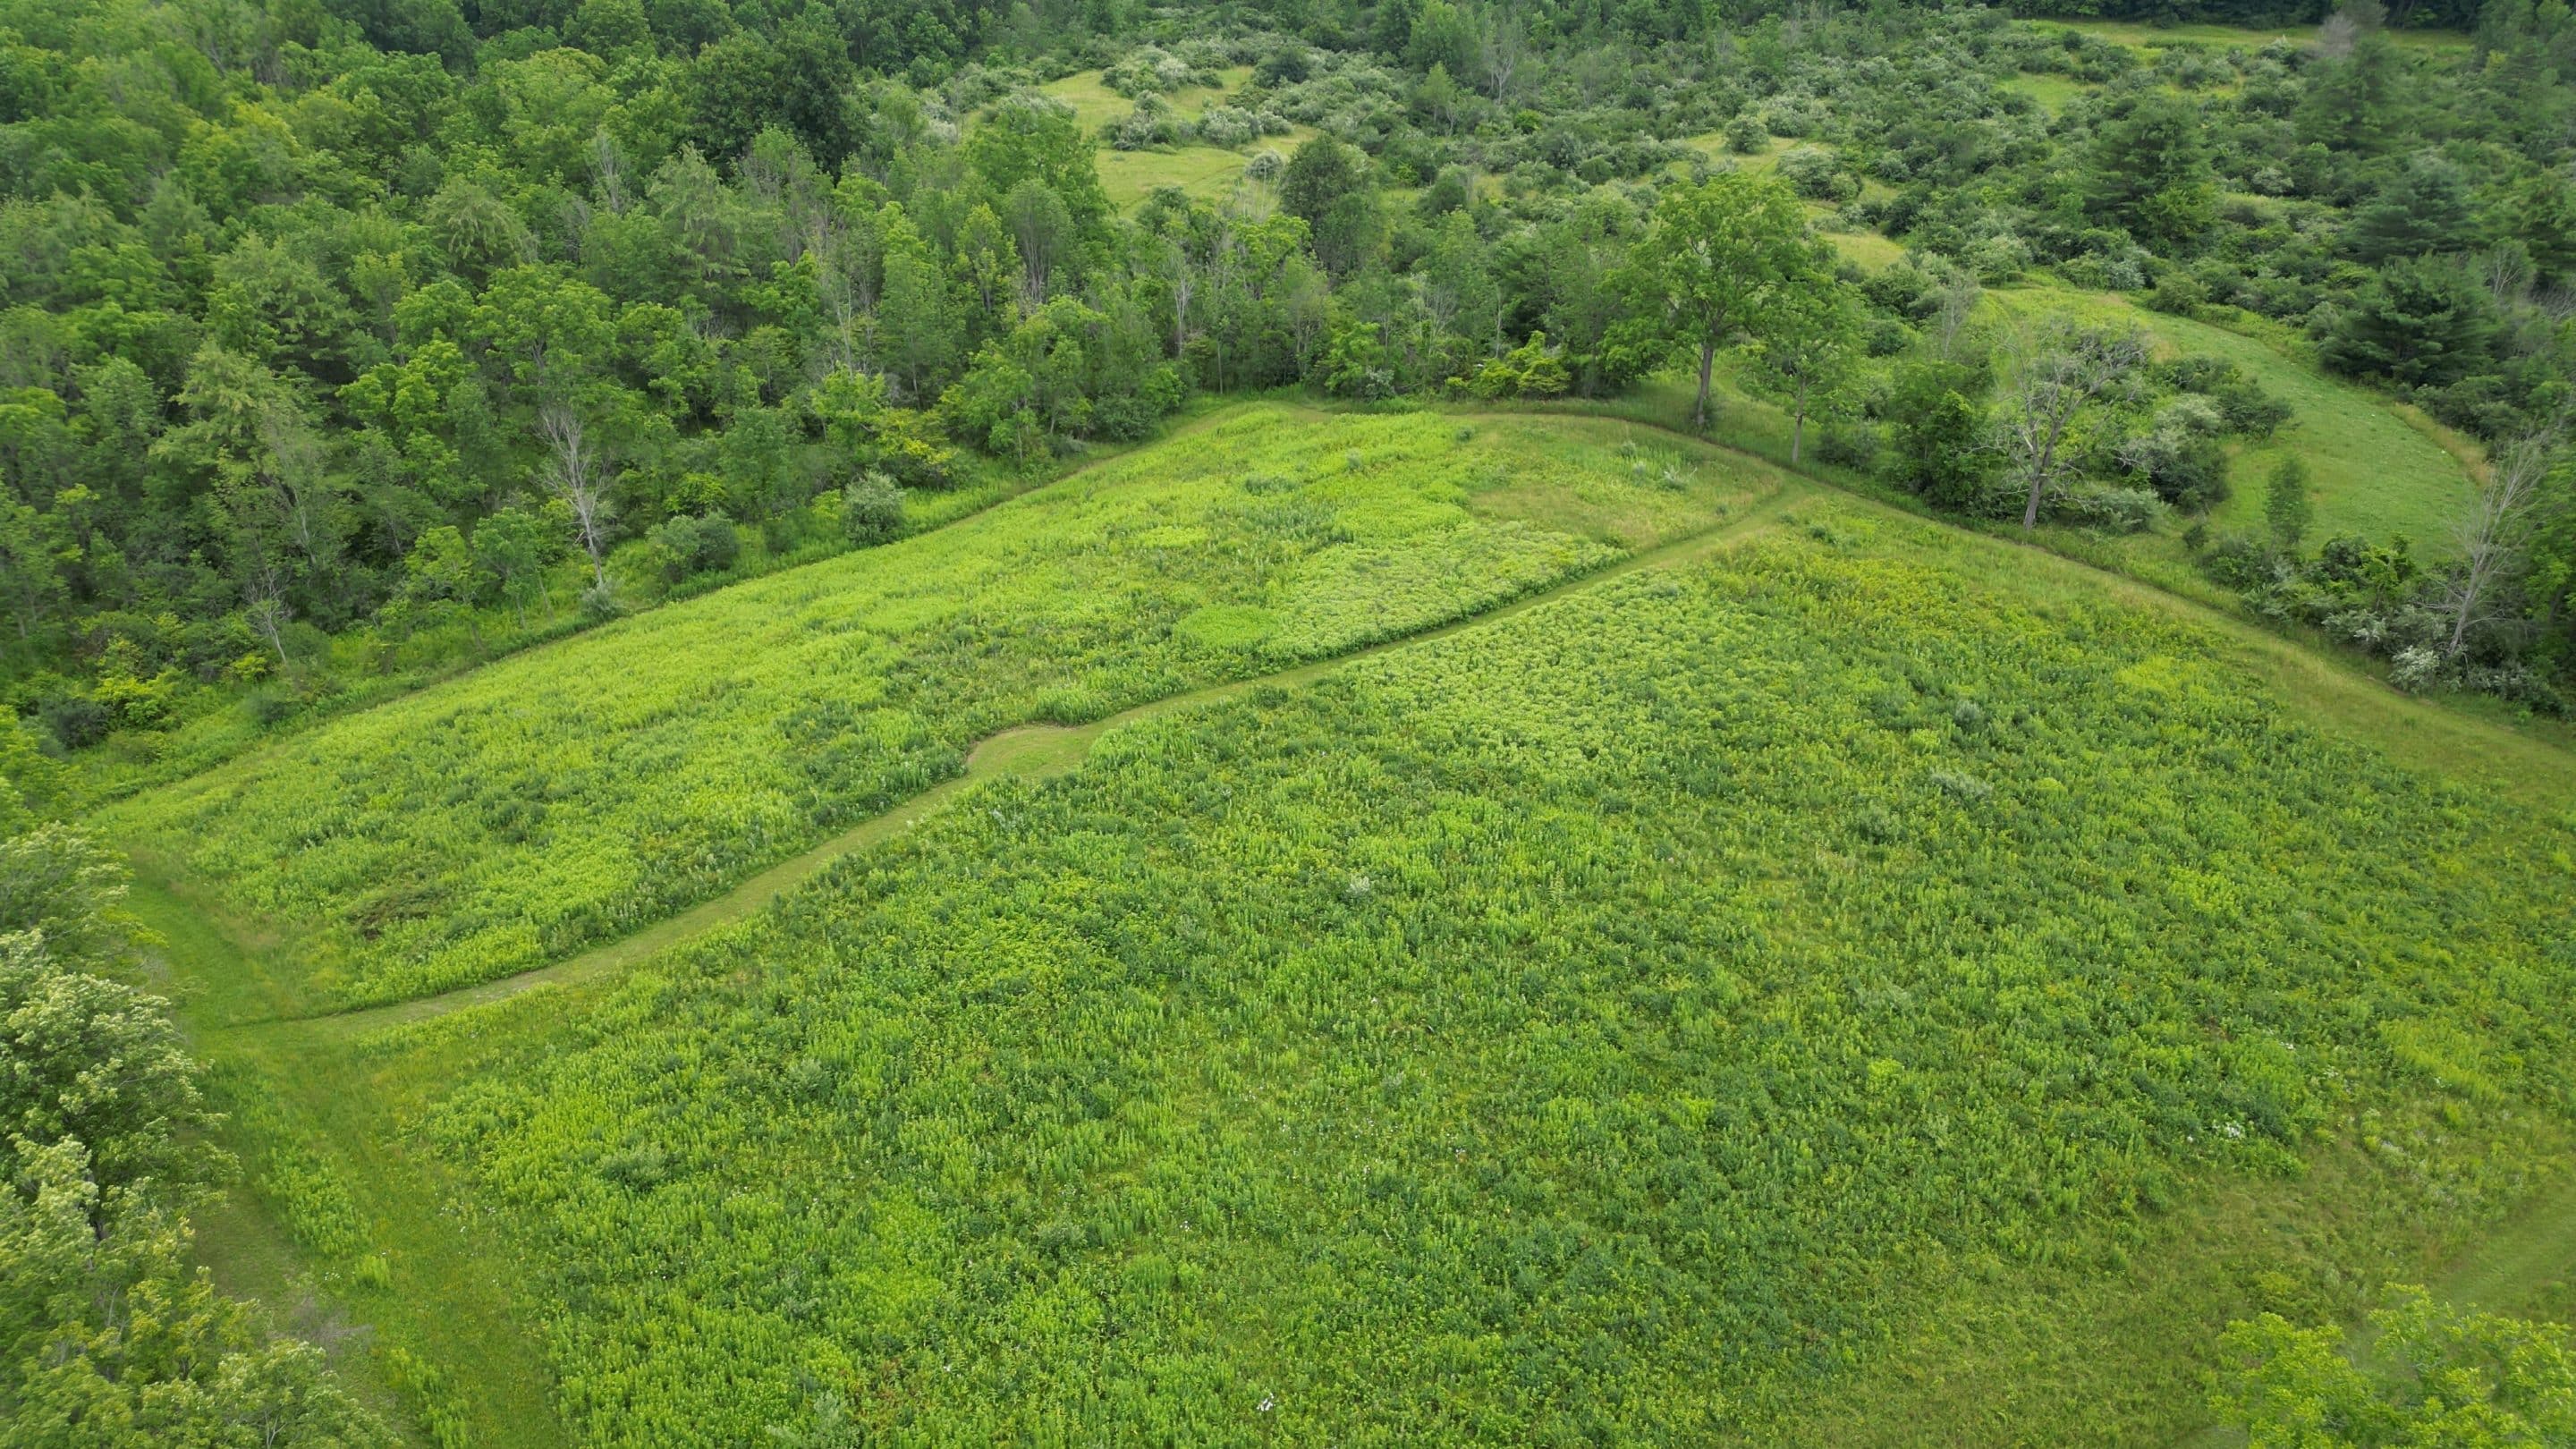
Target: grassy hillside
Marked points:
1209	173
1628	1020
2157	37
2374	472
589	788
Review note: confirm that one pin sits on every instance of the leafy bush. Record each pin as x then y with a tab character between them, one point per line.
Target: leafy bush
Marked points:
700	545
1818	174
2179	455
871	509
2108	508
1225	126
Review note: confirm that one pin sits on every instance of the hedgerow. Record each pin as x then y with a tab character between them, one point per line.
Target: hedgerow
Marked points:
587	789
1603	1027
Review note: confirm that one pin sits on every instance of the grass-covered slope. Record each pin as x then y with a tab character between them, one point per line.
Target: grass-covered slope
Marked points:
2373	473
1622	1023
583	790
1206	172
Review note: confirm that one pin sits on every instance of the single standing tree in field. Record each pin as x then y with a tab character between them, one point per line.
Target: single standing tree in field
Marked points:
2286	505
576	471
2048	380
1809	349
2494	530
1710	271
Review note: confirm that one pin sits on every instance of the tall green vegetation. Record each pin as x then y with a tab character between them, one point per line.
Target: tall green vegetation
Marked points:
298	302
1620	1021
585	790
2427	1374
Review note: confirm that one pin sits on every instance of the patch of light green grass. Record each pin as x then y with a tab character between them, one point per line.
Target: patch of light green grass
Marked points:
2054	93
2374	473
1207	173
2154	37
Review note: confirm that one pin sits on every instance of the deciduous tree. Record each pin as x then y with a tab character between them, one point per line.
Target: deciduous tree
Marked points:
1718	259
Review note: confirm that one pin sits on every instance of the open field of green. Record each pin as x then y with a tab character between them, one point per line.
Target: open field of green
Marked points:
1632	1019
1095	105
584	790
2374	472
1208	173
2053	92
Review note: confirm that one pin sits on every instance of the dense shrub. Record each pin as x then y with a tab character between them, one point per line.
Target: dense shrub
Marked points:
871	509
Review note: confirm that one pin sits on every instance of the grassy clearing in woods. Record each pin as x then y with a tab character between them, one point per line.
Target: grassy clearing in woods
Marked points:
2372	471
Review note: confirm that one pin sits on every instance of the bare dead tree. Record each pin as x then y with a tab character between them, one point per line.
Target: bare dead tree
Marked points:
2491	534
1959	297
1502	45
2507	270
264	604
1184	284
2049	379
298	490
576	471
608	168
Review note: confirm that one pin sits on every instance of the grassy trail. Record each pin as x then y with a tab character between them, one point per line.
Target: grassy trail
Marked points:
328	1089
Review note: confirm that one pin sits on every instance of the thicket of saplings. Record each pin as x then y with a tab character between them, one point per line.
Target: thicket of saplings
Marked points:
109	1333
341	351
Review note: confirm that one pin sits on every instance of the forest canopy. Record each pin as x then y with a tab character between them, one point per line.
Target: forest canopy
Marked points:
349	343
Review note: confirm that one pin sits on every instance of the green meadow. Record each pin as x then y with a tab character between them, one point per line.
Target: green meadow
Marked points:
2374	471
578	792
1637	1019
1208	173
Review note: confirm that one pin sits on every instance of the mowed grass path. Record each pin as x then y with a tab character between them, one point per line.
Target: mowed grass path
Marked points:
1636	1019
579	792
